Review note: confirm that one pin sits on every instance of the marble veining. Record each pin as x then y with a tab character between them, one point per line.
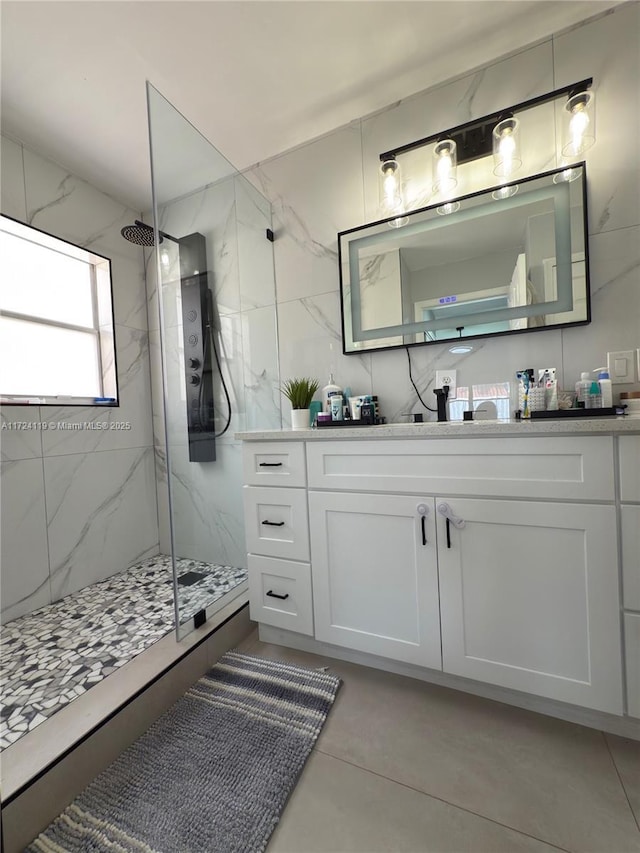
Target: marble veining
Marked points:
58	652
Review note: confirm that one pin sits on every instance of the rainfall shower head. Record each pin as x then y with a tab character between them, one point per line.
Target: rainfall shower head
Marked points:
142	234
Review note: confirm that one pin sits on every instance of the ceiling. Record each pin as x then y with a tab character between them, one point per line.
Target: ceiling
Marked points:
256	77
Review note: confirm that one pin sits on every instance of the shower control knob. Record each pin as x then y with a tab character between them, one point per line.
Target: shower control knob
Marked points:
194	379
194	363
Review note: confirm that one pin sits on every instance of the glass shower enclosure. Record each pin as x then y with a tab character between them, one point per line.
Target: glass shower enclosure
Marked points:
213	345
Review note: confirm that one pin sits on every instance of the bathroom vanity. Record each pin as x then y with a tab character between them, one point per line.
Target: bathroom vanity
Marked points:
498	558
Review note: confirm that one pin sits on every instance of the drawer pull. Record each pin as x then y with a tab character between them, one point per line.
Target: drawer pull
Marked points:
270	464
274	523
275	595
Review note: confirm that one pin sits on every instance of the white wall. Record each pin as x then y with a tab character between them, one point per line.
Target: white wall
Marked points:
330	185
77	505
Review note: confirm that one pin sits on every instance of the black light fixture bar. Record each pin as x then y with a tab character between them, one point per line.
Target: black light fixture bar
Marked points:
473	138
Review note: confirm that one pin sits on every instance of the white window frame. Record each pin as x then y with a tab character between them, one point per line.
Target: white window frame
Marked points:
102	327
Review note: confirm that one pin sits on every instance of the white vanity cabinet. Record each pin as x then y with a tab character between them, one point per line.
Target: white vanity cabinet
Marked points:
629	459
529	599
375	575
520	589
277	534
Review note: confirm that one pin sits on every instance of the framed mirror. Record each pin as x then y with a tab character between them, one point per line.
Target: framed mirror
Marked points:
509	259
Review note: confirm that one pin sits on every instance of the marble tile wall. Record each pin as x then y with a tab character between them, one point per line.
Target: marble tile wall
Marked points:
207	497
330	184
77	505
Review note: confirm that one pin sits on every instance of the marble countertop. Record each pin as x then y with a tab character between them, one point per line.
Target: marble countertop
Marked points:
456	429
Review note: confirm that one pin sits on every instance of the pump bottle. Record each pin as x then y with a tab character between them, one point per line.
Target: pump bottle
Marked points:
327	392
606	390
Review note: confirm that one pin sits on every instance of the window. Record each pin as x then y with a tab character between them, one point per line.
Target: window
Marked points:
57	342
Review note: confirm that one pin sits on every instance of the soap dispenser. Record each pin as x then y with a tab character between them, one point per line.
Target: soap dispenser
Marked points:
606	390
328	392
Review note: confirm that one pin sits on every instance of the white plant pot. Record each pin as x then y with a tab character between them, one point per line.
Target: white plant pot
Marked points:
299	418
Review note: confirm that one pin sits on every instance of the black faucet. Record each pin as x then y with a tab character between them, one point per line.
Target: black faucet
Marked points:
442	394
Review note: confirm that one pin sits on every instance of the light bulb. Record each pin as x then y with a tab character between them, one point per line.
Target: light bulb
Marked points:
507	150
579	132
390	190
577	127
448	208
445	166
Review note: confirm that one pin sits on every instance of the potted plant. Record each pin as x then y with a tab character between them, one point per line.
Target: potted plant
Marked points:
299	392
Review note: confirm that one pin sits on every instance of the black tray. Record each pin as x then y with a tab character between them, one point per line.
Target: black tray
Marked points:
349	423
575	413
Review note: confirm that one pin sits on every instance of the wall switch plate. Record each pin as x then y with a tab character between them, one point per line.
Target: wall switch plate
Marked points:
621	367
447	377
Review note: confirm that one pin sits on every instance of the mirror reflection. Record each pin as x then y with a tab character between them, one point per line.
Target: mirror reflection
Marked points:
509	259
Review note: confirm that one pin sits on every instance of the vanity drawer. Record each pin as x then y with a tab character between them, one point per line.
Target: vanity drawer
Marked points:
629	453
280	593
274	463
630	517
579	468
277	523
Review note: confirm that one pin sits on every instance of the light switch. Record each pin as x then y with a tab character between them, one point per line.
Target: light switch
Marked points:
621	367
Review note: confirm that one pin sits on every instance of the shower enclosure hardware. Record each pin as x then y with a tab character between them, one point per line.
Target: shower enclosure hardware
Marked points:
197	334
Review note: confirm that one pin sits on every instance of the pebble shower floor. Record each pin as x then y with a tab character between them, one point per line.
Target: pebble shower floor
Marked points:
53	655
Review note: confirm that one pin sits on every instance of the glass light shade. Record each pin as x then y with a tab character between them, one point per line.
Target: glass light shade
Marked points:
579	128
567	176
505	192
445	167
506	147
448	208
391	188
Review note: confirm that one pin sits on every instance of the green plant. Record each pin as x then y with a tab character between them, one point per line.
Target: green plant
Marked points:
299	392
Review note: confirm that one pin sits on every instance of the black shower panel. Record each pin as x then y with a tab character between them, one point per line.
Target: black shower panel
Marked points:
197	336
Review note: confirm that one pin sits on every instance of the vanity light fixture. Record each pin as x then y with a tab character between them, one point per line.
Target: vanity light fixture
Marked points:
390	186
496	134
579	125
506	147
445	169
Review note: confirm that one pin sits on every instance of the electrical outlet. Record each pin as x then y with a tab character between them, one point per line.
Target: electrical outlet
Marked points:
447	377
620	366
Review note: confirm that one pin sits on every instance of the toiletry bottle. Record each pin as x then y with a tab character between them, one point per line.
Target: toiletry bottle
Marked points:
336	404
594	398
605	387
583	386
327	392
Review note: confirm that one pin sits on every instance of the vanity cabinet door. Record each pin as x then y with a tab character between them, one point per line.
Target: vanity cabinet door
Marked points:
374	574
529	598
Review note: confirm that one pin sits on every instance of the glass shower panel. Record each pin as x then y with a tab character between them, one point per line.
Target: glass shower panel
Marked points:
216	354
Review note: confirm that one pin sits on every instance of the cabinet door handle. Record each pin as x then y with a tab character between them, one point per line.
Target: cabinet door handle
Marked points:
275	595
270	465
274	523
423	511
445	510
448	533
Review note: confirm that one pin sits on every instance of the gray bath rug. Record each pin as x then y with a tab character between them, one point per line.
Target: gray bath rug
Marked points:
212	774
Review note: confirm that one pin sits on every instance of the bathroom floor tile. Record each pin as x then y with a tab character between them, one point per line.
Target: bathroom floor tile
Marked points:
541	776
626	755
343	809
